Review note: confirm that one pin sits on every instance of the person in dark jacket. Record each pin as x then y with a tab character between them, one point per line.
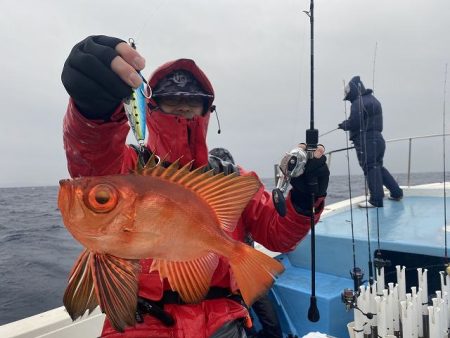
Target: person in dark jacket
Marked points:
365	125
263	307
98	74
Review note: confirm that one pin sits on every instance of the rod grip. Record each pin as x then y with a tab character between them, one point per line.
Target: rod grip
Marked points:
313	311
312	139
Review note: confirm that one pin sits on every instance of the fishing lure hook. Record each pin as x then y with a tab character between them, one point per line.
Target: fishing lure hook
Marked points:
148	93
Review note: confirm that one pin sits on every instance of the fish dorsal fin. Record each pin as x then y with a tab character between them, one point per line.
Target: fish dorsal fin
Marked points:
228	195
80	292
153	162
191	279
115	281
171	169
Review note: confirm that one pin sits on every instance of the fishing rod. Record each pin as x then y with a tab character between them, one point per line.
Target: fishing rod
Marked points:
312	139
350	297
328	132
362	131
293	165
443	160
379	261
373	69
357	274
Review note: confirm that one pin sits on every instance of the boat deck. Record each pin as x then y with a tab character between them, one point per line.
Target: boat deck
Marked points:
415	224
413	227
416	220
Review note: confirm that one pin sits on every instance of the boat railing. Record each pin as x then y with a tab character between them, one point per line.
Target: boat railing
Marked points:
410	140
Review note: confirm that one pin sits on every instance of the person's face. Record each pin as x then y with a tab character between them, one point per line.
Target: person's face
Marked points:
186	106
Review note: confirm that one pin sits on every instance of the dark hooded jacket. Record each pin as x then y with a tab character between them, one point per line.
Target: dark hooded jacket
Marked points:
98	147
366	118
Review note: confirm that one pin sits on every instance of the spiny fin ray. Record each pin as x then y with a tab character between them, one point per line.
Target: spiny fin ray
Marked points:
116	285
227	195
80	293
191	279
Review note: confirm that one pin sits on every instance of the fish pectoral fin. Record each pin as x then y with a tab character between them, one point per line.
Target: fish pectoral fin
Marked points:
80	293
191	279
116	286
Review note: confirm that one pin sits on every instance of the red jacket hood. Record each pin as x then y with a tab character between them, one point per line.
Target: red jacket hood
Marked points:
173	137
182	64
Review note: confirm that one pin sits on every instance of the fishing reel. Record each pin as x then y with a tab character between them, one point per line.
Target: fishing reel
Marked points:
292	165
379	262
350	299
350	296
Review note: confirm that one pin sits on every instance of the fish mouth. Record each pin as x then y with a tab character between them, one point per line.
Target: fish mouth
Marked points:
64	195
63	182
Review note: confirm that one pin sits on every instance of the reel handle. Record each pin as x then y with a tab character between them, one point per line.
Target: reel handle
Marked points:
279	201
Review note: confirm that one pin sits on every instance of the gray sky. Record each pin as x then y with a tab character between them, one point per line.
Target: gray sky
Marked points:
256	54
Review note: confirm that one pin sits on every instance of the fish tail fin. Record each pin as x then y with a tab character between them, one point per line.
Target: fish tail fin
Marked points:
254	272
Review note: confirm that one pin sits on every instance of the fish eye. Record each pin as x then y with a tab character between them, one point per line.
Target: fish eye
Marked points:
101	198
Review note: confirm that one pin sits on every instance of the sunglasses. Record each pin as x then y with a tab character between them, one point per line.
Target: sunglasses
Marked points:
173	101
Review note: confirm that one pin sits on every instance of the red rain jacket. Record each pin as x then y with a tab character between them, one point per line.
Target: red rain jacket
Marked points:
99	148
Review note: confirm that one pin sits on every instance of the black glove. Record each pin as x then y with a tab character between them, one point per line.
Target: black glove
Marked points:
341	125
314	180
146	306
89	80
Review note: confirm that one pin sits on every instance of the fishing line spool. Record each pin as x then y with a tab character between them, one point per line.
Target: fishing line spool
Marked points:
291	165
349	296
350	299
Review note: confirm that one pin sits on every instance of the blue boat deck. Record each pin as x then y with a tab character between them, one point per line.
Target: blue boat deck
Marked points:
414	225
293	291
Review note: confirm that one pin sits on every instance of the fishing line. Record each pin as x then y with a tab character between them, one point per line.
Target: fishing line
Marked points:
356	286
155	9
328	132
443	144
379	262
373	69
363	132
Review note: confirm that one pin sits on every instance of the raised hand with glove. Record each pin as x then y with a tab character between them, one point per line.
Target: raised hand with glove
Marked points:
313	181
99	72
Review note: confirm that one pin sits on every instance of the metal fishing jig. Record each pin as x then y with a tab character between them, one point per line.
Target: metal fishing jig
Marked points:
135	107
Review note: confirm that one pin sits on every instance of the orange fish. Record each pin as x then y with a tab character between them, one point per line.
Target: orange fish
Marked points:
176	216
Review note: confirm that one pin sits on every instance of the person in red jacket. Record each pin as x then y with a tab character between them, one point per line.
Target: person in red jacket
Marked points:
98	74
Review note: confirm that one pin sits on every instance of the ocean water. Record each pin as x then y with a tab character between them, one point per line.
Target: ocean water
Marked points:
37	252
